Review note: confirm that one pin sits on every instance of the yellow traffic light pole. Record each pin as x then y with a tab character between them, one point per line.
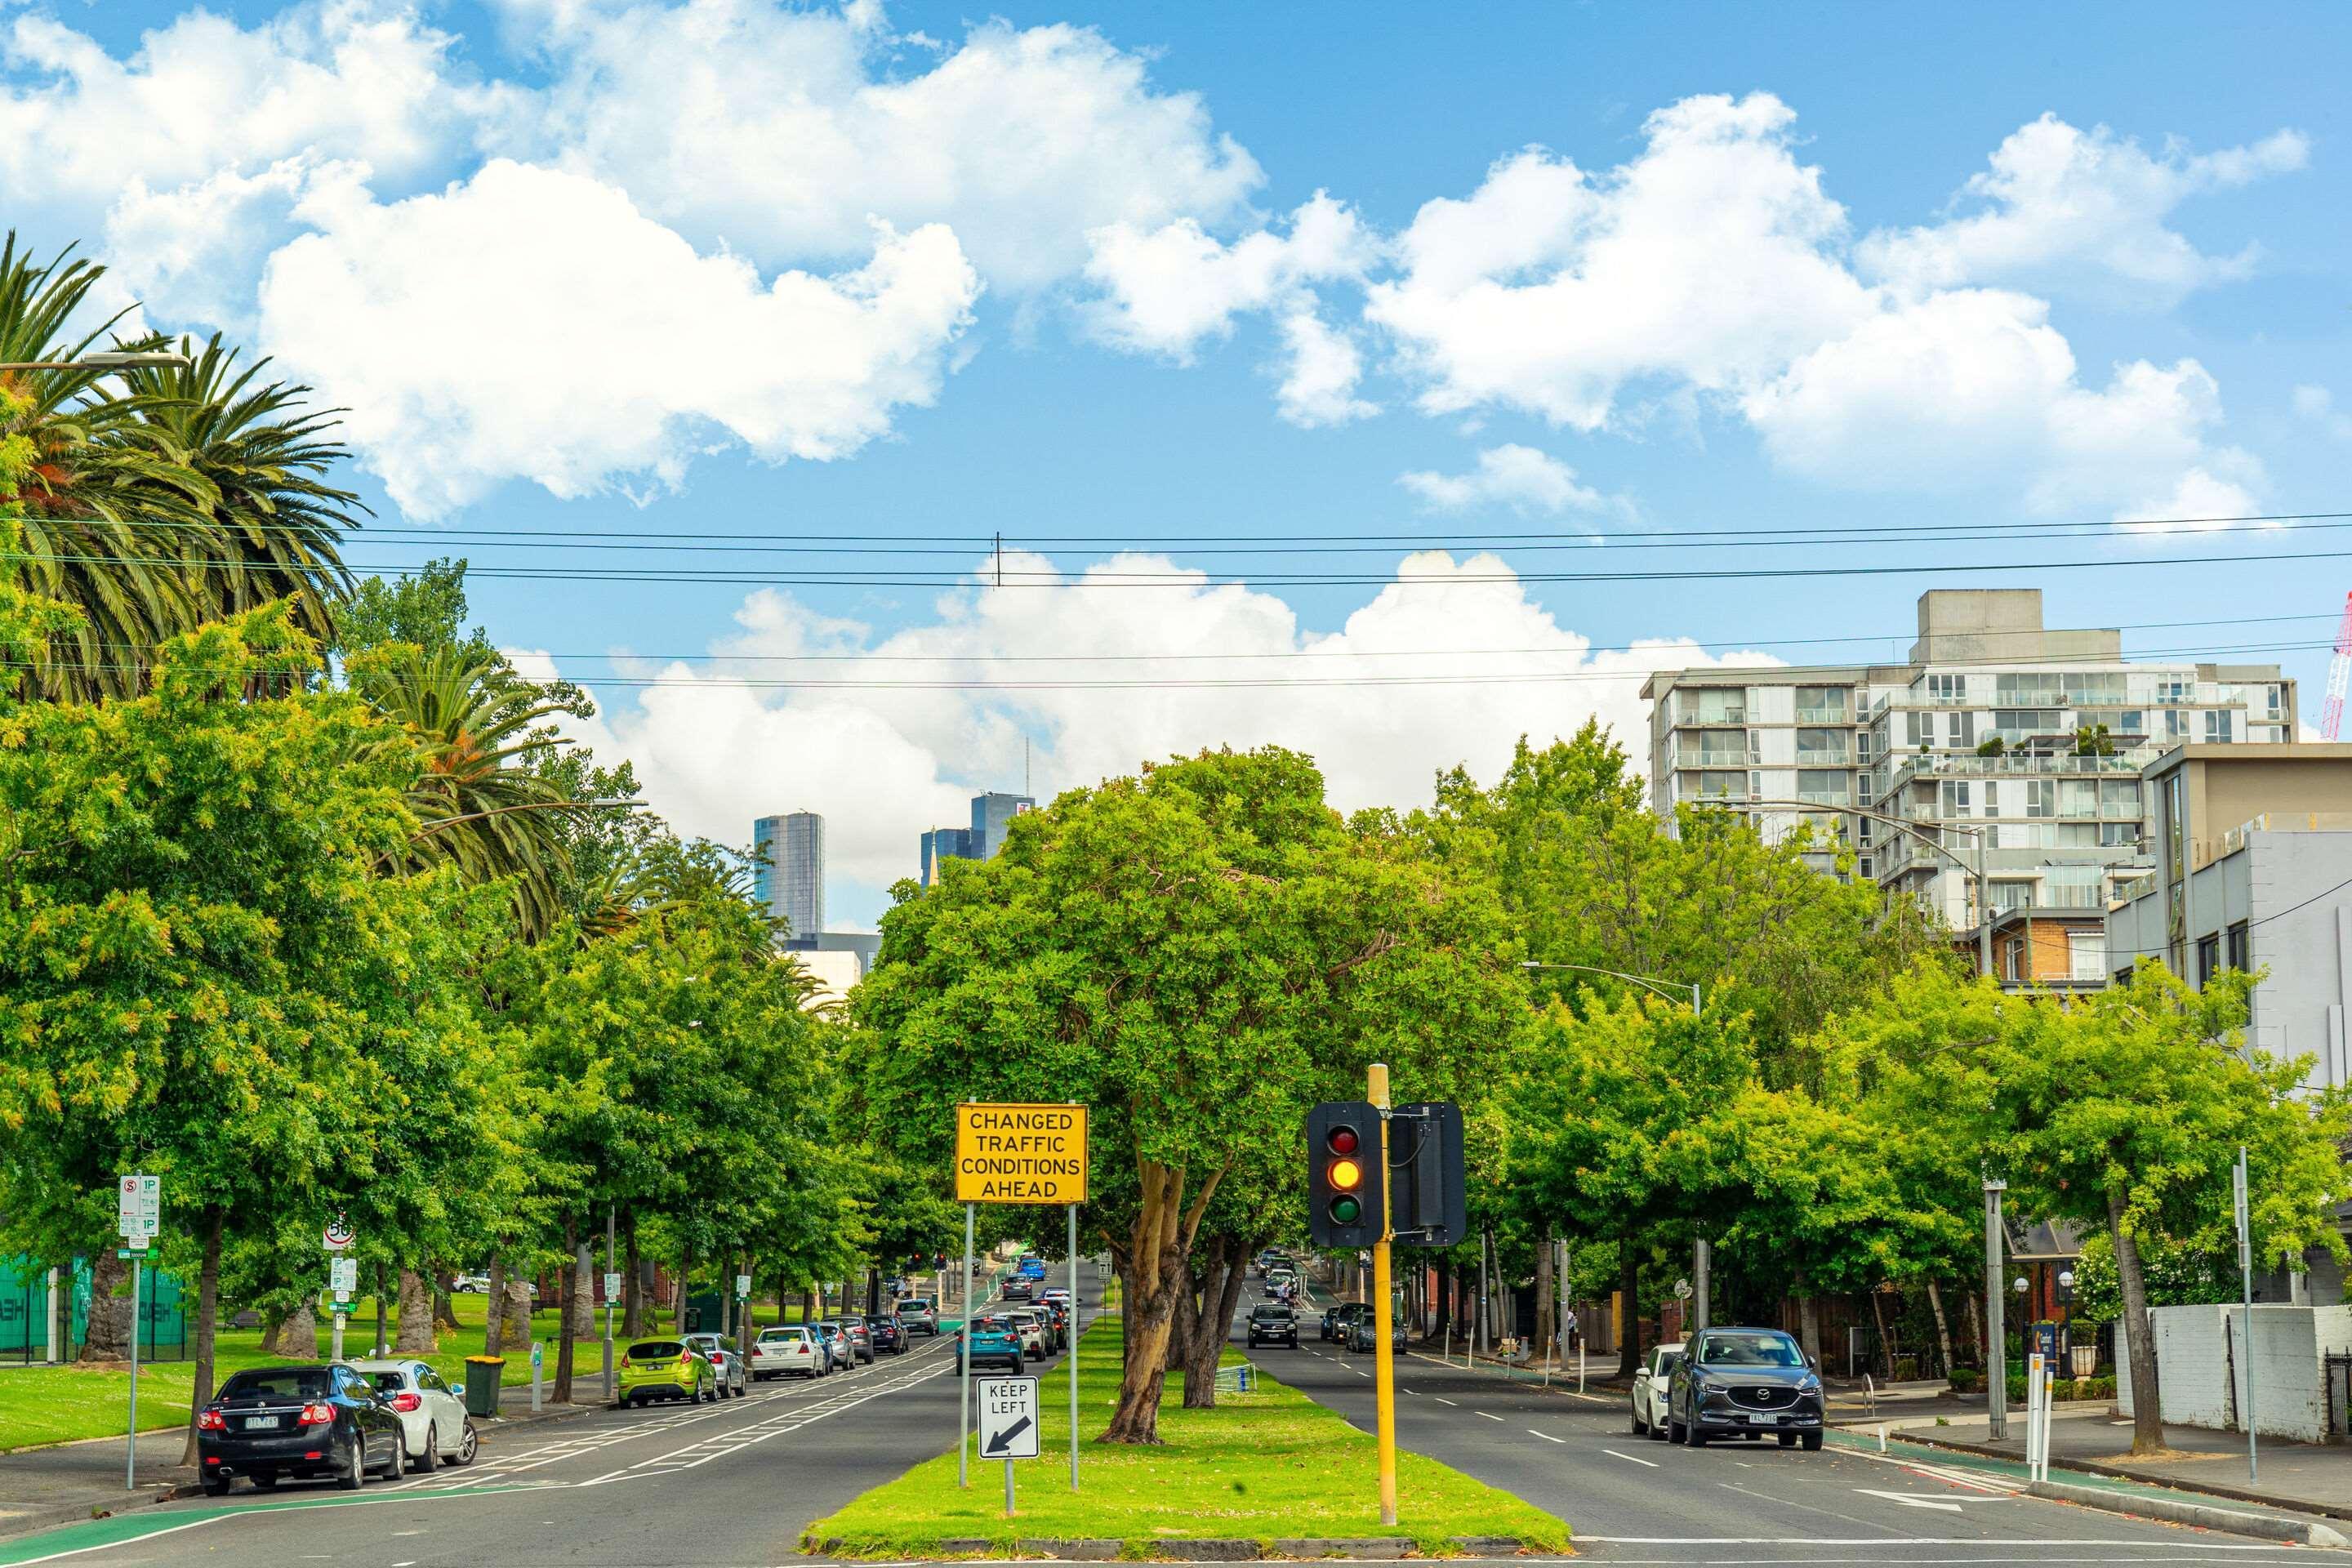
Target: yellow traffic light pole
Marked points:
1383	1340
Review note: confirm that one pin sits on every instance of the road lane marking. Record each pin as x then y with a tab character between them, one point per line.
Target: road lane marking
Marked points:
1909	1500
1443	1400
1645	1464
1792	1502
2039	1541
1488	1417
1545	1436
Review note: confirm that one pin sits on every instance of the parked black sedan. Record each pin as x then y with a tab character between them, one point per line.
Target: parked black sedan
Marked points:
889	1334
1744	1383
269	1423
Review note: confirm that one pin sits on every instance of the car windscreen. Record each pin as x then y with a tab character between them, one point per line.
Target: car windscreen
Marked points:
781	1336
655	1350
1748	1350
1271	1314
916	1304
388	1381
279	1383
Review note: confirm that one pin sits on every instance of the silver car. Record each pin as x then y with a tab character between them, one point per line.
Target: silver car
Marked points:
721	1354
917	1315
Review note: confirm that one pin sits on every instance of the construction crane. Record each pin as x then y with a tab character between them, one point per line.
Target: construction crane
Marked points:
2339	673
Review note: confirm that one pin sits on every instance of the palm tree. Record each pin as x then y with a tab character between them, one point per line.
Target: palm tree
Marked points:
277	525
481	804
84	491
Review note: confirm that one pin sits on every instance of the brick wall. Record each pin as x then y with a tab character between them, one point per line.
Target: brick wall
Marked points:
2200	1353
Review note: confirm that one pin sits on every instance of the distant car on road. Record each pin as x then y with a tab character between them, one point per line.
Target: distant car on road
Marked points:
1031	1268
1649	1395
269	1423
1340	1319
667	1369
1363	1334
432	1418
1273	1326
917	1315
470	1285
889	1337
1016	1289
1747	1381
721	1354
990	1342
1032	1328
856	1340
793	1349
838	1352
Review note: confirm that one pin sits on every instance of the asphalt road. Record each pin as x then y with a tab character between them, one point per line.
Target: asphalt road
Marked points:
693	1486
1631	1500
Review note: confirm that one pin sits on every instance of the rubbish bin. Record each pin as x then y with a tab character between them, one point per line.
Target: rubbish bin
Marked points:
482	1374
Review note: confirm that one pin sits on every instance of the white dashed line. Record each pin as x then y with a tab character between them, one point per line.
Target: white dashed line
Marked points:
1489	1417
1443	1400
1545	1436
1646	1463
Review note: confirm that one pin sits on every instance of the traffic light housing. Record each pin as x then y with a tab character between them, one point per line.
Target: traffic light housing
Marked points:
1346	1186
1428	1201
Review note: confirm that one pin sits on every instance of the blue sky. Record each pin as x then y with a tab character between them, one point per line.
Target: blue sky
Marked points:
1174	272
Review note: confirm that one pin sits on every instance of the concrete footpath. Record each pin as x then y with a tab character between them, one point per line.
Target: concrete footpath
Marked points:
43	1488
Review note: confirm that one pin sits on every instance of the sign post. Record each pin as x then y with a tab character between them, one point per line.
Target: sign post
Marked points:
138	1214
1019	1155
2246	1273
538	1357
1376	1090
1008	1424
342	1274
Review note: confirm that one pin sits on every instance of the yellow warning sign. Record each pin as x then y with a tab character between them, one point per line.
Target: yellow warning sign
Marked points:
1020	1155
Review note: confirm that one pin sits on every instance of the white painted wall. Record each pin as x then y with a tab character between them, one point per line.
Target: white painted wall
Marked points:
2204	1384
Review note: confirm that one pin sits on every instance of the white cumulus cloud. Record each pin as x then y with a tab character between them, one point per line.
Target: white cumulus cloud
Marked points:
2061	207
2316	406
1523	479
531	323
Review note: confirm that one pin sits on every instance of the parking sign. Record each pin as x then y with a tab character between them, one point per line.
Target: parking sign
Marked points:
138	1207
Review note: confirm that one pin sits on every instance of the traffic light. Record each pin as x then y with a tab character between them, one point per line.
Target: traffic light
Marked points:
1345	1184
1429	1204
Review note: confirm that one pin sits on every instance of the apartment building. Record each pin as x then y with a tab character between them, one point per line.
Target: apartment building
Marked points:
1996	732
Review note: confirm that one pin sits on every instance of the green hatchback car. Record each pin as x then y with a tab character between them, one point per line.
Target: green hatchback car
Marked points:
665	1369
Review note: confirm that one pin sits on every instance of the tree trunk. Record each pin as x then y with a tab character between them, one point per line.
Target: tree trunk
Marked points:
520	1332
294	1336
633	1291
808	1305
1211	1323
107	1337
583	1293
2148	1398
494	1309
207	1320
1943	1324
1547	1316
445	1299
379	1345
1885	1345
569	1318
1629	1327
1976	1327
1157	1244
1808	1322
417	1335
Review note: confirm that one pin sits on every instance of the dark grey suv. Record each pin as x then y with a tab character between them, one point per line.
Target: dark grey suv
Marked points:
1744	1383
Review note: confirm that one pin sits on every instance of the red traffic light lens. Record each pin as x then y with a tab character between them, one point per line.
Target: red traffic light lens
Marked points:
1340	1140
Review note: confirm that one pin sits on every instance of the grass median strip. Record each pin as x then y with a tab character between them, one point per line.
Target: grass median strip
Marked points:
1263	1466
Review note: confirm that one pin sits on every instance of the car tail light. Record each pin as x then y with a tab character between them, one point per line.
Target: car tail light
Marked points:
625	1363
404	1403
317	1414
211	1421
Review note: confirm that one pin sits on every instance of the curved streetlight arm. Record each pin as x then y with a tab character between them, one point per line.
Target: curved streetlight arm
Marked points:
1665	988
1984	887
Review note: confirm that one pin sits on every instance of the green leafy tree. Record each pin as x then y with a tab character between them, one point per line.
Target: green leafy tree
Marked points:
1196	955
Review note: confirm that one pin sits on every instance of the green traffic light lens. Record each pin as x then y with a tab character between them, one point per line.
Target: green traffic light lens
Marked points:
1346	1210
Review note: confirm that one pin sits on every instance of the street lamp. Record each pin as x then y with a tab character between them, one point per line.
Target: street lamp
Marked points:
2066	1319
1672	990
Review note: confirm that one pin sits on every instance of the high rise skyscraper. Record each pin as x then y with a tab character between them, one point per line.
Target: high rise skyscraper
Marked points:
944	843
991	815
787	880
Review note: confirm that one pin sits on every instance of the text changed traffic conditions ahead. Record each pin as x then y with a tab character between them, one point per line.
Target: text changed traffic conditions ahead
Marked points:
1020	1155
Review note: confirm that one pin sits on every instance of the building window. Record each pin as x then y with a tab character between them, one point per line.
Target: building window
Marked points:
2119	798
2237	955
2273	705
2103	691
1863	866
1992	797
2176	724
2008	896
1963	727
2208	958
2119	836
2075	887
2040	797
1955	799
2217	726
2086	955
1948	690
2172	691
1821	705
1712	705
1824	786
2033	690
2008	952
1823	748
2078	798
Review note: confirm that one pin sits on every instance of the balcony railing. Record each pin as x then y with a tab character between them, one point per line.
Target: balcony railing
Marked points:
1824	757
1735	757
1836	714
2021	764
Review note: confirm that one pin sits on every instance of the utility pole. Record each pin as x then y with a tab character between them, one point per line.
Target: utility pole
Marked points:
1383	1313
1699	1258
1996	1333
609	1294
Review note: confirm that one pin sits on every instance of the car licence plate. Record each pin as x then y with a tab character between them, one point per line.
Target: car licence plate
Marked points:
1766	1420
261	1423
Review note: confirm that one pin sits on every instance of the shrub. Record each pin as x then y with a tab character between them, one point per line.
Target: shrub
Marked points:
1966	1380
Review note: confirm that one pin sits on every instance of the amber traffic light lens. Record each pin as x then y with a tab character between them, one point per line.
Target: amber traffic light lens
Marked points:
1340	1140
1346	1175
1346	1210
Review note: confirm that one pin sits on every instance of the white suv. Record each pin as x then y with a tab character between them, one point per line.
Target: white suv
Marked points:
1032	1331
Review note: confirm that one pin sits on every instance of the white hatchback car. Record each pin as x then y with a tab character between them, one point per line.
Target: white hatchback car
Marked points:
433	1416
1650	1381
1032	1331
779	1351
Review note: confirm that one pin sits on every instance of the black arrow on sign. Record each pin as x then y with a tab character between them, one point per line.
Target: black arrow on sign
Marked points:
1002	1441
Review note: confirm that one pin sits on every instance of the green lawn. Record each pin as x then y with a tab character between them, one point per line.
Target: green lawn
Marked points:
42	1405
1265	1466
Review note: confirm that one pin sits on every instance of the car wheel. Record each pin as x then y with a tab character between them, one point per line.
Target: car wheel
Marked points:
1692	1435
1641	1427
430	1457
395	1464
354	1471
1813	1441
264	1480
217	1486
1788	1440
1751	1436
469	1443
1673	1428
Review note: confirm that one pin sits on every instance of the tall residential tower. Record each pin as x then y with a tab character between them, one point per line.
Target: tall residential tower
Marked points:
788	876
